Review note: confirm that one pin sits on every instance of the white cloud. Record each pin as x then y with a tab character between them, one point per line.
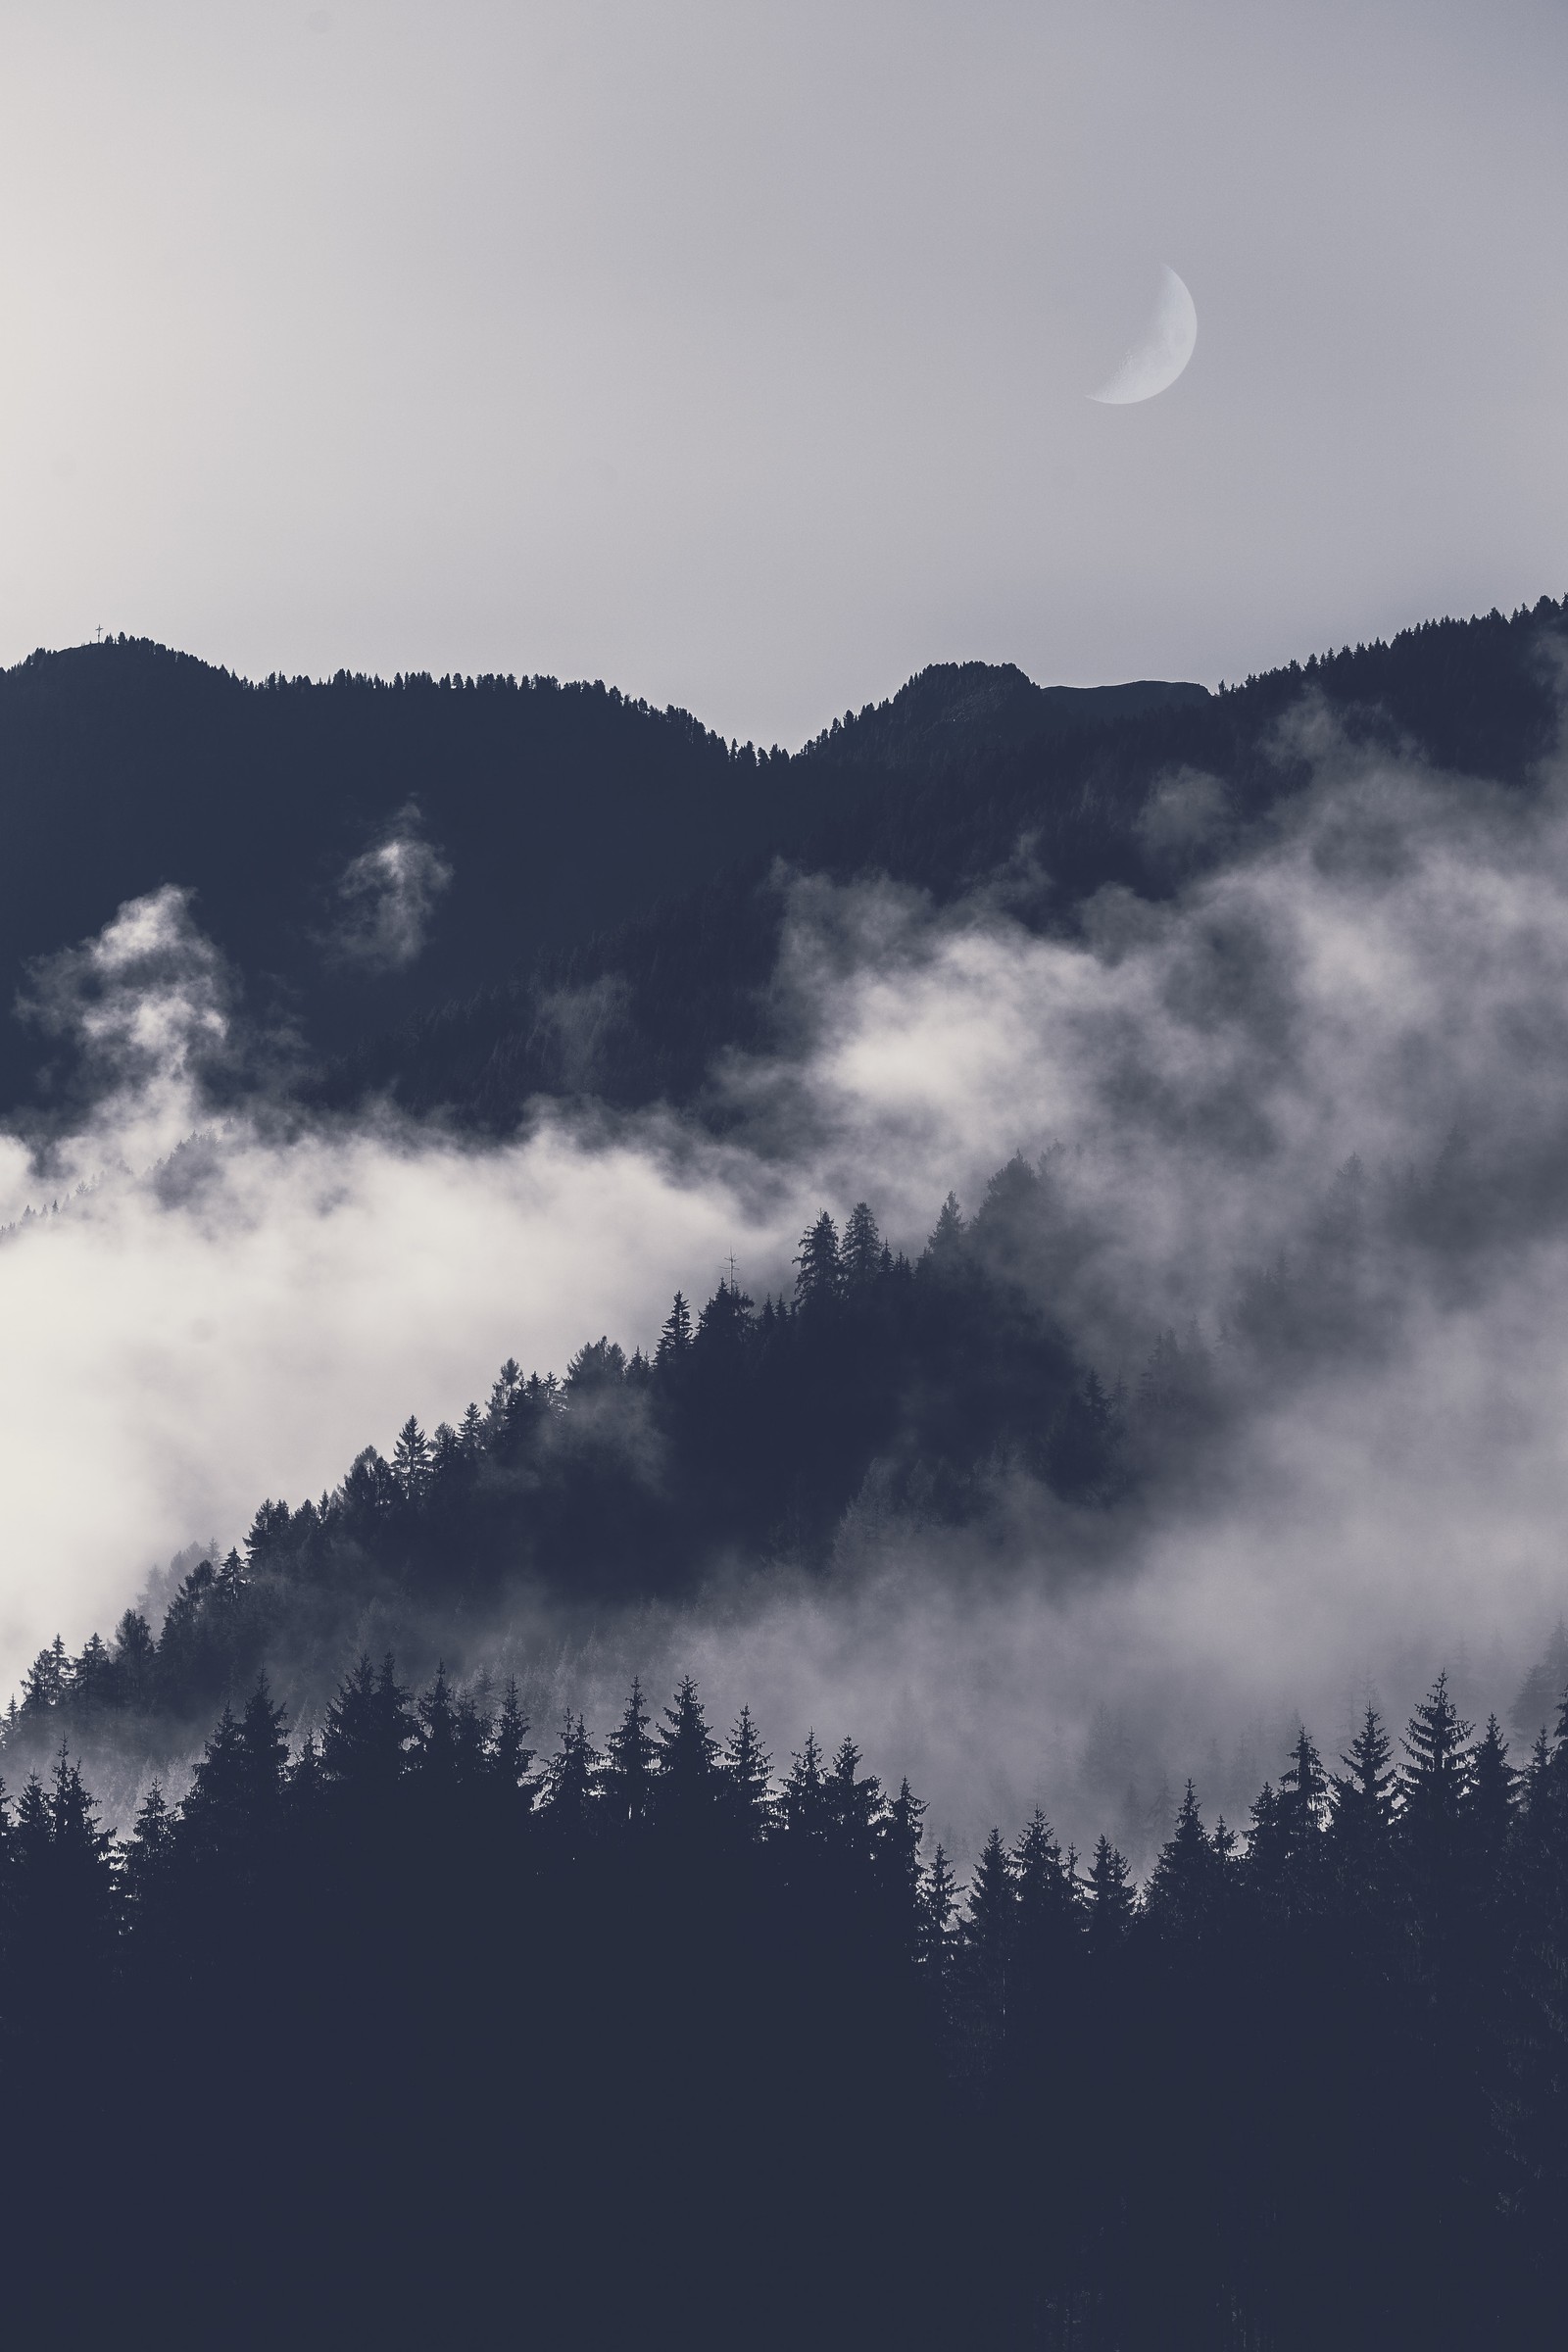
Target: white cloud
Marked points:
1383	972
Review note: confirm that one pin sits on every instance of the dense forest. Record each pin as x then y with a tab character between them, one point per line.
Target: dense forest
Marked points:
639	1014
747	1433
944	1392
360	850
612	879
410	2032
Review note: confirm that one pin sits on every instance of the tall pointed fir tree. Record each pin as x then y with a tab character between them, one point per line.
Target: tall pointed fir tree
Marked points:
627	1782
746	1780
819	1274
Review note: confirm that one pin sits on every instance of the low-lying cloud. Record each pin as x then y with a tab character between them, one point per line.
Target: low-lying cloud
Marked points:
1377	975
387	898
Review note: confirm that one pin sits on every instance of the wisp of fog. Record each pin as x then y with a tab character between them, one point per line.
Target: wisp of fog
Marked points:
1309	1112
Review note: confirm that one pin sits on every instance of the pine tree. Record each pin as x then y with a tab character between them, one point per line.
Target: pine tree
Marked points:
149	1853
1361	1815
899	1854
627	1779
368	1732
435	1748
819	1279
93	1680
675	1338
212	1816
803	1804
860	1259
945	1250
1433	1793
1111	1900
135	1659
511	1755
988	1940
746	1769
569	1780
687	1789
1047	1928
1493	1796
307	1786
854	1814
938	1900
1184	1886
1304	1798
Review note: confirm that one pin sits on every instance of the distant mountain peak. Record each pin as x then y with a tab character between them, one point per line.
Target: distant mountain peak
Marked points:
967	706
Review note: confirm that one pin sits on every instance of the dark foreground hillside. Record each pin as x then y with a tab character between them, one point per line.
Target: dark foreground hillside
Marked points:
403	2038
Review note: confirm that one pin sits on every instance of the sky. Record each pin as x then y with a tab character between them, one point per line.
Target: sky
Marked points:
740	355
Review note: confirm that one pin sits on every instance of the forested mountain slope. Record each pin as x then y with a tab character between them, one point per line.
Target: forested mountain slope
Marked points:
360	850
954	784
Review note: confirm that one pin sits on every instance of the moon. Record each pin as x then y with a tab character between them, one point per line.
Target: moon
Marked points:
1154	365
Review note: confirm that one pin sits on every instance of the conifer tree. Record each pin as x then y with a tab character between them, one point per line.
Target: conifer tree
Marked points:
944	1252
1303	1799
854	1811
988	1940
819	1277
1494	1794
674	1337
1111	1900
802	1803
899	1852
135	1657
939	1902
511	1755
746	1769
1361	1814
368	1732
688	1787
306	1785
627	1779
435	1738
1184	1886
860	1259
570	1778
149	1853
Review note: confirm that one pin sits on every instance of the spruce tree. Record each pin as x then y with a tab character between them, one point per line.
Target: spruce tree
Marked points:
148	1855
687	1787
509	1753
1184	1886
938	1904
860	1257
745	1770
899	1853
820	1276
855	1810
803	1802
675	1339
570	1776
988	1940
1433	1853
1112	1902
627	1779
369	1733
1361	1812
1493	1796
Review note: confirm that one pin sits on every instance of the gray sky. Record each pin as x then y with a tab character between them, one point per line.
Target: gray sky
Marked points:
739	354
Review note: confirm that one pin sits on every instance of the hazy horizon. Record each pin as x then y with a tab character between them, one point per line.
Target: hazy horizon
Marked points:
744	361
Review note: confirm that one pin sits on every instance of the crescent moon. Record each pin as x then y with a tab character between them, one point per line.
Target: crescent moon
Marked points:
1154	365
